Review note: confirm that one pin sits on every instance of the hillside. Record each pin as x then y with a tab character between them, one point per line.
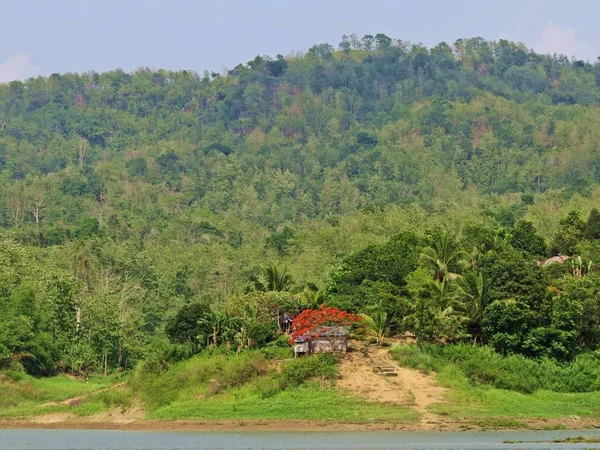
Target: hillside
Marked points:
136	206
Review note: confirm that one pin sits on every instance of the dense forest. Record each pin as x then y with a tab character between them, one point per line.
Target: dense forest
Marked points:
148	215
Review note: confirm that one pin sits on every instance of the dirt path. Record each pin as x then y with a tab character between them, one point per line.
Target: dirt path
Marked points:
75	401
410	387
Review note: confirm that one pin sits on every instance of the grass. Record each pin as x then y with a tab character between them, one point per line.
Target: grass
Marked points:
474	396
263	385
483	366
305	403
253	385
256	386
25	397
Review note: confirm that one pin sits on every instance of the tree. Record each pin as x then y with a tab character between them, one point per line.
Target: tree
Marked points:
473	296
592	226
382	41
321	51
390	262
191	325
443	257
16	202
525	238
377	322
570	234
422	320
346	44
313	297
310	322
512	275
506	323
273	279
277	67
367	42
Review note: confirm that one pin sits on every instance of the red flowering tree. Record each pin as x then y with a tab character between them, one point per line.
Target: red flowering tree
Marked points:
310	321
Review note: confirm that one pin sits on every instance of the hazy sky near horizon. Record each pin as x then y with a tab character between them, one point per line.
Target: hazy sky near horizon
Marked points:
41	37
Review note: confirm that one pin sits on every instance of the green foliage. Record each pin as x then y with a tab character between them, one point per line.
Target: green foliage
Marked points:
570	234
525	238
209	374
190	325
294	373
483	366
390	262
422	183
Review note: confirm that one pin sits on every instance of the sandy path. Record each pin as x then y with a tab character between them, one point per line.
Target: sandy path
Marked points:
410	387
74	401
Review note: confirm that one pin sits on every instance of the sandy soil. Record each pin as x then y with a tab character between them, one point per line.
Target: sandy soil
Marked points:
60	421
410	387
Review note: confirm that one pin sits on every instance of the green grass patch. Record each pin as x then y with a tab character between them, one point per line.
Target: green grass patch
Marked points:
473	376
199	376
256	385
483	366
308	401
25	397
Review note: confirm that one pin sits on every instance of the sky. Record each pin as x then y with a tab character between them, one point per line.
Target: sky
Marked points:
41	37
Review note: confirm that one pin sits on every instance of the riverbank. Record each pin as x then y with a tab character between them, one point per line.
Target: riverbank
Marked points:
253	393
123	422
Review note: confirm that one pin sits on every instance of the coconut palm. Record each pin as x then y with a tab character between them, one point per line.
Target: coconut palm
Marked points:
473	295
272	279
445	295
377	323
442	257
313	297
380	319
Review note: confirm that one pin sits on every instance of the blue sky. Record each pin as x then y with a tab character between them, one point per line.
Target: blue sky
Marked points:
48	36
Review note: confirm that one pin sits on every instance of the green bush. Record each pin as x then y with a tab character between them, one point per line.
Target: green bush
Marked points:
483	366
215	372
296	372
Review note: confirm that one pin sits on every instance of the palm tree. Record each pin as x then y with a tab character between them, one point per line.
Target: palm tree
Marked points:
442	257
313	297
376	322
445	296
380	319
473	294
272	279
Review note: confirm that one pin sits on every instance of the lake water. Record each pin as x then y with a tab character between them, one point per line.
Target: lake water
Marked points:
133	440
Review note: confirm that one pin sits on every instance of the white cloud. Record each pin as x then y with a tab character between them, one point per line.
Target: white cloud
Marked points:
17	67
563	40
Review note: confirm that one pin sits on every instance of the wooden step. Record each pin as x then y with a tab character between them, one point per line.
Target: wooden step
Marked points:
385	368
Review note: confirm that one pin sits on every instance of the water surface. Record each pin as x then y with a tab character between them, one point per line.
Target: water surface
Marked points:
138	440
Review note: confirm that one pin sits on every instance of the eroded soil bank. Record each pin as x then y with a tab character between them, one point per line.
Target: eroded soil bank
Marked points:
64	421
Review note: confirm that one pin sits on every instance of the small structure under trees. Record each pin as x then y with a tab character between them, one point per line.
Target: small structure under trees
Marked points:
322	330
328	339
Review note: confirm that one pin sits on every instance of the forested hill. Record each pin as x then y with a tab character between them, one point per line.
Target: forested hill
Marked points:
128	195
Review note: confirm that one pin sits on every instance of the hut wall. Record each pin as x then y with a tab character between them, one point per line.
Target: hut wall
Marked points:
332	344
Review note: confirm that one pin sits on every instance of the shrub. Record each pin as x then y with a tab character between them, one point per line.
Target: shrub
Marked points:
217	372
298	371
483	366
